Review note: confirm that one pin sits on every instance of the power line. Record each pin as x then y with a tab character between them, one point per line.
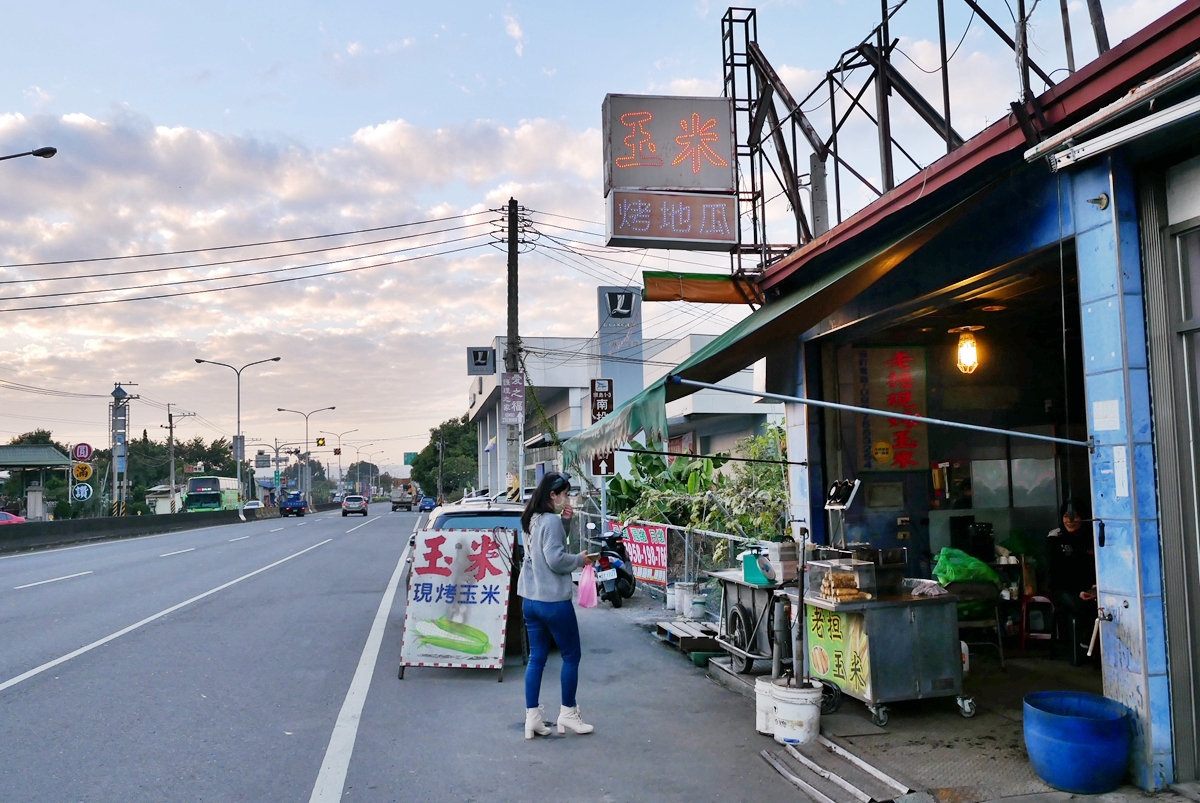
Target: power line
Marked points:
240	286
240	245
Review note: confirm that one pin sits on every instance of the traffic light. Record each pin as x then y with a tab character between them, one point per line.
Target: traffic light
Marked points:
320	441
337	451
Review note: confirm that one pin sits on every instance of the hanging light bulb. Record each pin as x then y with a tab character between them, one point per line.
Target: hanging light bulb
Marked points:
968	348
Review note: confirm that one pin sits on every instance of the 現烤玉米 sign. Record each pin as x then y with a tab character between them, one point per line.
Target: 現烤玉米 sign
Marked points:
647	550
457	611
670	172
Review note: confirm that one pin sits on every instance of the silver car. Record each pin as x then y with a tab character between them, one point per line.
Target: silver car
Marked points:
354	504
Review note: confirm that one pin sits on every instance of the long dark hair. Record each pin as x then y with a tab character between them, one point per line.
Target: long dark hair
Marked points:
552	483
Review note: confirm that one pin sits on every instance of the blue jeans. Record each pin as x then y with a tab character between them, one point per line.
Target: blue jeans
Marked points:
546	623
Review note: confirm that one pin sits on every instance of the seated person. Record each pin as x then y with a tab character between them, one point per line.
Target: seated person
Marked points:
1072	571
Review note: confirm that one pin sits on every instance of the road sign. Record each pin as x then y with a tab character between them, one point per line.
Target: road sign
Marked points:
82	451
262	460
409	457
603	465
320	441
481	361
82	472
82	493
602	398
239	447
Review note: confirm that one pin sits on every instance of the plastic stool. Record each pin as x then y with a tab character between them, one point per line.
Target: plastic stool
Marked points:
1037	602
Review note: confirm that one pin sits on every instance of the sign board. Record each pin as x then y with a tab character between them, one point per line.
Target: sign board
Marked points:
262	460
409	457
512	398
839	650
457	607
692	221
885	379
602	398
81	492
604	465
657	142
239	447
481	361
82	472
82	452
647	548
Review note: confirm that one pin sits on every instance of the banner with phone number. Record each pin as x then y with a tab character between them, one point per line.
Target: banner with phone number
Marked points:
647	548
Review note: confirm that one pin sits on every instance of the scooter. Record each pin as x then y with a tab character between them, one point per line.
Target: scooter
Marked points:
614	577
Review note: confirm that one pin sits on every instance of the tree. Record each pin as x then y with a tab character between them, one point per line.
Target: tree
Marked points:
461	465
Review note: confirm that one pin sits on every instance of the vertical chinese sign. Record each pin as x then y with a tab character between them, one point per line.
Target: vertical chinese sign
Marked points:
839	650
669	172
647	548
512	398
889	379
457	611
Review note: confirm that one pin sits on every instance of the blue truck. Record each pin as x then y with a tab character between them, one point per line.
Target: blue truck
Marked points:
293	505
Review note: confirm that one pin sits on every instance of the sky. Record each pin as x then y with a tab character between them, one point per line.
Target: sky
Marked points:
195	127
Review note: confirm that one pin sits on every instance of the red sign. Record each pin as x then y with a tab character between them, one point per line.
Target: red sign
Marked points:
647	548
82	452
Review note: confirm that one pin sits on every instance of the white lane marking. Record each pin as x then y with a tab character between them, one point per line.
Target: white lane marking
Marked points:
101	642
178	552
277	529
331	780
133	539
301	524
364	524
54	580
242	538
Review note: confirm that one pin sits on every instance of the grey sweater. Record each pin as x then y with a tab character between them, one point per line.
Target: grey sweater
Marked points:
546	571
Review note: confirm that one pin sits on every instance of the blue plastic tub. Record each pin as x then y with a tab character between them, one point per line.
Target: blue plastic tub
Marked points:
1077	742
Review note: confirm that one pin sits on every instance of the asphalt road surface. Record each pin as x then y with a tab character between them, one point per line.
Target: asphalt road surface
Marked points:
257	662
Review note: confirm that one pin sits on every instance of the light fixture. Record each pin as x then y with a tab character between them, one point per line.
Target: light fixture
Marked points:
993	308
968	349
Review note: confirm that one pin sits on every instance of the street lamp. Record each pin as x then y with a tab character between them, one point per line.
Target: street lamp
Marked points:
45	153
358	460
307	454
370	482
239	447
341	479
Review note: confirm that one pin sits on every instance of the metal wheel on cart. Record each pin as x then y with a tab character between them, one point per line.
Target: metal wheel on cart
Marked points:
831	697
737	630
966	707
879	715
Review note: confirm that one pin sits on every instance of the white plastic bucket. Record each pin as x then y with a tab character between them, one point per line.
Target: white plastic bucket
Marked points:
670	598
683	598
797	712
764	706
699	609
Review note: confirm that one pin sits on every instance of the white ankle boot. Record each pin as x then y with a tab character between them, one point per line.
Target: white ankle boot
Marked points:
572	719
533	723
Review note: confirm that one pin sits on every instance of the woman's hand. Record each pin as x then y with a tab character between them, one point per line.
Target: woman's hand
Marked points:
588	560
568	513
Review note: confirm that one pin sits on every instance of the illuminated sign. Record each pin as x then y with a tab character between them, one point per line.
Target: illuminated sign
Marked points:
672	220
655	142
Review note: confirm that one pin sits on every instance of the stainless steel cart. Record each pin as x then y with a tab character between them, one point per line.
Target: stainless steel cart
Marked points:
888	649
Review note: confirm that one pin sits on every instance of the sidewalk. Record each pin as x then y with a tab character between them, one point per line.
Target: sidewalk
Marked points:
926	744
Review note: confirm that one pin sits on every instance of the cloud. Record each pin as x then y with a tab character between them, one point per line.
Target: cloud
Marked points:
700	87
384	343
512	27
38	96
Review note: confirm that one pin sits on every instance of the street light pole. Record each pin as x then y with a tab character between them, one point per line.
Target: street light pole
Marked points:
358	460
307	453
341	479
45	153
239	448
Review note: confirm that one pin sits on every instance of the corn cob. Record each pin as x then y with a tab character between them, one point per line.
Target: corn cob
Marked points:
455	636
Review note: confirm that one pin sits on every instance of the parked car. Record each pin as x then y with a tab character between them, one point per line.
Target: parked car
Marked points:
354	504
9	518
253	504
426	504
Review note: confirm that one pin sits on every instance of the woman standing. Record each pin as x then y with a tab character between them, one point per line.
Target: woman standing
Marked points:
545	586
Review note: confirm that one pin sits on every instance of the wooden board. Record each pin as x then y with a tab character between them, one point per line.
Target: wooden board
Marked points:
689	636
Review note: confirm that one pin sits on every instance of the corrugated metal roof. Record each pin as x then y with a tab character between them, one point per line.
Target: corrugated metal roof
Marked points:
32	456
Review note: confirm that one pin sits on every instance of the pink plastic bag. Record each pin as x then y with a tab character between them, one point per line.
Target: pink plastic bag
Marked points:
587	588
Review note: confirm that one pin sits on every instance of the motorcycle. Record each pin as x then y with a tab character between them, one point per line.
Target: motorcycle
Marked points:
614	576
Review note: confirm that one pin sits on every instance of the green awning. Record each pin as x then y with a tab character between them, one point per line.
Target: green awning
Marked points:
32	455
756	335
645	412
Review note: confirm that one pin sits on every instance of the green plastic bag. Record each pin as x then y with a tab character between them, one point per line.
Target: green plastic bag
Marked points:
956	566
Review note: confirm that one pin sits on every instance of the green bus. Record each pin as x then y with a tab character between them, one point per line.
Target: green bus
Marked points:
210	493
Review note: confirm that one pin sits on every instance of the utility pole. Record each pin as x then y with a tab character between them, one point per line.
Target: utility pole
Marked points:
119	417
170	428
512	366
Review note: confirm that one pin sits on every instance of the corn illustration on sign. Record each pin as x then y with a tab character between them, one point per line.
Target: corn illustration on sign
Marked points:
457	609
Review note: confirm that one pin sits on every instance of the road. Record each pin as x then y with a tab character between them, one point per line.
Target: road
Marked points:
214	665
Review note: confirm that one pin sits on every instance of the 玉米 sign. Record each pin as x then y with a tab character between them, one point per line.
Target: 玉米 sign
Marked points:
647	550
457	612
